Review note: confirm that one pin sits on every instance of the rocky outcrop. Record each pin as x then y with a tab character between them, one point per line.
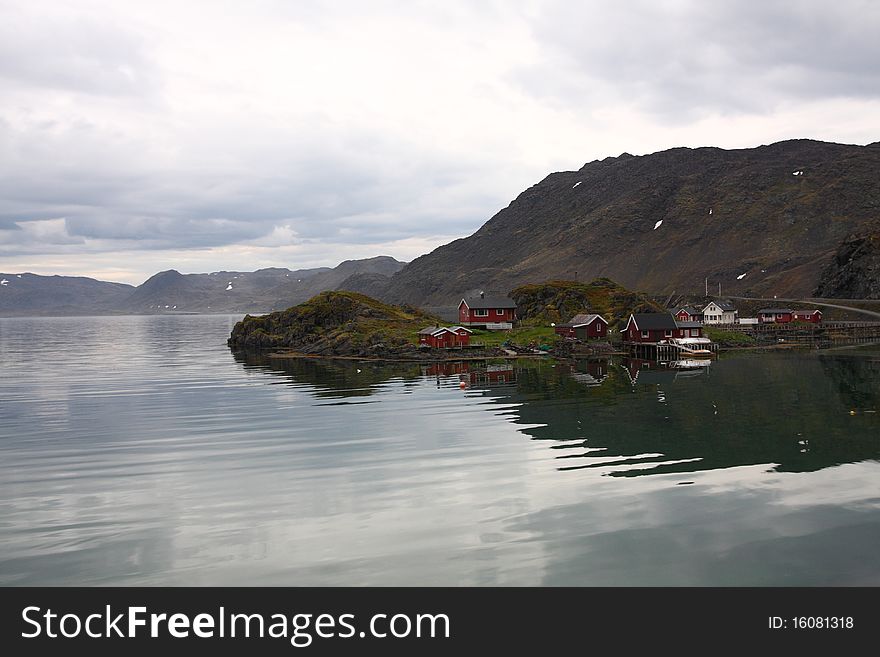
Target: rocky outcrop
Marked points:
559	301
335	324
854	271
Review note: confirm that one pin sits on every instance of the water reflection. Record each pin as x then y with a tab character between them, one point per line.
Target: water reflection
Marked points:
632	417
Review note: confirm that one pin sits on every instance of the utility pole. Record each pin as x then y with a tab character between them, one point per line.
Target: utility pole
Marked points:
707	286
719	289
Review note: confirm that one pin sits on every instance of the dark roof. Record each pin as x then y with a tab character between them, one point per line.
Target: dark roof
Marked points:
581	320
774	311
690	310
654	321
724	305
481	303
428	330
689	324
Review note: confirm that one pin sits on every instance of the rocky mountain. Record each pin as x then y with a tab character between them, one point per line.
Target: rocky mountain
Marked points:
170	291
31	294
760	221
295	291
223	291
854	271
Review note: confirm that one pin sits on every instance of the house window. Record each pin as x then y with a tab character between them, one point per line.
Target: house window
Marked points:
667	334
499	311
481	313
695	333
645	334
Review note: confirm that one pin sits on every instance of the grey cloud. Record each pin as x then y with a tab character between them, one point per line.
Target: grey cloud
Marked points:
346	188
83	53
688	58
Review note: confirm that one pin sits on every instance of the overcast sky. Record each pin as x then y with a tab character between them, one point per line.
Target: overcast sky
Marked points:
141	136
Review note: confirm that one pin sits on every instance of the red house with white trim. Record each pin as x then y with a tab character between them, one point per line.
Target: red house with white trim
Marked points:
445	337
775	315
583	327
491	312
812	316
689	314
659	327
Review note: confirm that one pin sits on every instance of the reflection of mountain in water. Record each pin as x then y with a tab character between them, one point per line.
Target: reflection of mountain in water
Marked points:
793	413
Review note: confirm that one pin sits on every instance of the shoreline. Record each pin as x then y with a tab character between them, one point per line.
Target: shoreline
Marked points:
443	358
291	355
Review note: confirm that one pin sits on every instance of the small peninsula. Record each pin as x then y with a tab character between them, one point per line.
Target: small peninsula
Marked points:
341	324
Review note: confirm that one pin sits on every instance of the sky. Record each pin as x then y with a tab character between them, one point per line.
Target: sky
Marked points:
142	136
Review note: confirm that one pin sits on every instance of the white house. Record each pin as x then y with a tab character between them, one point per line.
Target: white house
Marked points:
719	312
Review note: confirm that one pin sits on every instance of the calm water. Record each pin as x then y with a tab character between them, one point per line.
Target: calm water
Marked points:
139	450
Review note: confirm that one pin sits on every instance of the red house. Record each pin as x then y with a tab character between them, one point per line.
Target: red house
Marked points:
445	337
775	315
583	327
659	327
689	314
812	316
492	312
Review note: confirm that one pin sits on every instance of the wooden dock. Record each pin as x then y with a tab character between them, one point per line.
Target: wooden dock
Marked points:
665	351
821	335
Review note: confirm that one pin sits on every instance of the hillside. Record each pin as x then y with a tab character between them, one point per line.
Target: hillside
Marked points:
30	294
559	301
761	221
334	323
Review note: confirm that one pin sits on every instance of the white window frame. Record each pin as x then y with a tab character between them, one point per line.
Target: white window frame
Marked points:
481	312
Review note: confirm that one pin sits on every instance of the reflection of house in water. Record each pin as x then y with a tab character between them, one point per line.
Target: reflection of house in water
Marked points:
589	372
493	374
475	372
447	368
641	370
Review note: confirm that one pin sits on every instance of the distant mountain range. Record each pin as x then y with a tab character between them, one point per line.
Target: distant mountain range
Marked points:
761	221
170	291
793	219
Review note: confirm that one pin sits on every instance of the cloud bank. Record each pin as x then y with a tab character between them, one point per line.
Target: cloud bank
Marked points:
140	136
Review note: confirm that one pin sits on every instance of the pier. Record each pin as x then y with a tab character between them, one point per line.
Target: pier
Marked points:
666	351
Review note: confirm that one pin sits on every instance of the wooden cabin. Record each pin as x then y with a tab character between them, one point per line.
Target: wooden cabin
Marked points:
490	312
812	316
719	312
445	337
689	314
651	327
583	327
775	315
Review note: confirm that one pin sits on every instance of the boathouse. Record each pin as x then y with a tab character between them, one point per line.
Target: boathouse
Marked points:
445	337
650	327
583	327
775	315
659	327
490	312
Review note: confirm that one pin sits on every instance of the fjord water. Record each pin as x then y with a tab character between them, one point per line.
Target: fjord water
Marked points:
139	450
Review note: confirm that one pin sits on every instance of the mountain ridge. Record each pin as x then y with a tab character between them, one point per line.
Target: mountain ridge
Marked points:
263	290
761	220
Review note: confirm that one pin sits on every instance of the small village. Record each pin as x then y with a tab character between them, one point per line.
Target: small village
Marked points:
683	332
